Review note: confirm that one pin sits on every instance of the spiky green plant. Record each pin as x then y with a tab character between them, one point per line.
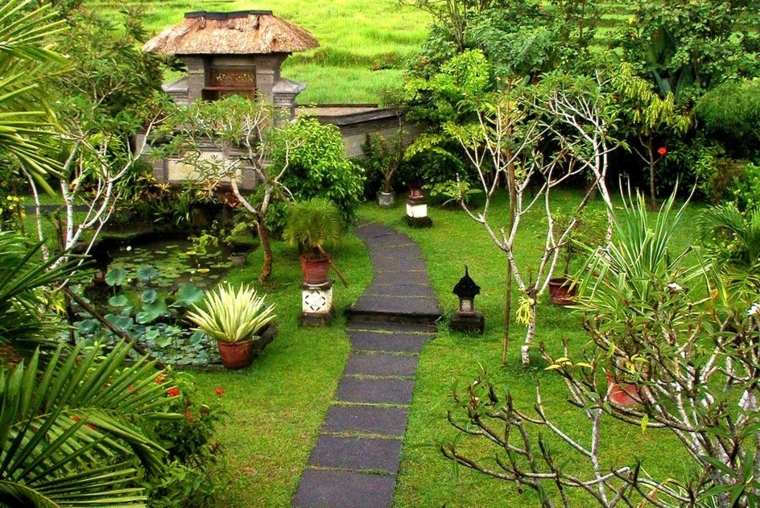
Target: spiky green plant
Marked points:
22	276
24	57
232	315
71	433
312	225
638	264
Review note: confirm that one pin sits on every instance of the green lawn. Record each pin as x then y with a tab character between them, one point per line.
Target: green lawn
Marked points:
277	405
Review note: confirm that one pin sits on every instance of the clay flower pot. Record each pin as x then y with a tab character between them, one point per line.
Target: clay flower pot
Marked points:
561	291
315	269
236	355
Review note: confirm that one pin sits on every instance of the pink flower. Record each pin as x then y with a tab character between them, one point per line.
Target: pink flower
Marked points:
663	151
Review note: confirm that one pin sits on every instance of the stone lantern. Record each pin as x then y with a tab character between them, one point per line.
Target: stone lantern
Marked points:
467	319
317	307
417	208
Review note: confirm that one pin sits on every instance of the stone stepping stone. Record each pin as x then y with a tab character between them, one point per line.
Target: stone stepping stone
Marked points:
357	454
344	489
375	391
384	421
401	290
424	307
359	325
380	364
390	343
401	277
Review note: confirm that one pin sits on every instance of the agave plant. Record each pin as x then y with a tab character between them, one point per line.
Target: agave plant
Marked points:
70	431
638	265
232	315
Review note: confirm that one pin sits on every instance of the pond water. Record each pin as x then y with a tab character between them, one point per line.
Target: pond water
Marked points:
147	293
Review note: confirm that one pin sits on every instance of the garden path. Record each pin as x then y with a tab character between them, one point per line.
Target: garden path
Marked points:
356	458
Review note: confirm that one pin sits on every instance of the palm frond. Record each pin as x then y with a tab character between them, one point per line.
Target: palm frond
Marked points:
70	433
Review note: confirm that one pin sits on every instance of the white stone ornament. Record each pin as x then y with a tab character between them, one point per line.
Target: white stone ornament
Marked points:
416	210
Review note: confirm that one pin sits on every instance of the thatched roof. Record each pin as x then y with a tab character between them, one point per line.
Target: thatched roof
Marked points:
231	33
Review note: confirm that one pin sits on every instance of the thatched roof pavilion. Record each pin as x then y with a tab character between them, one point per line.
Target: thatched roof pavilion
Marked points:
232	33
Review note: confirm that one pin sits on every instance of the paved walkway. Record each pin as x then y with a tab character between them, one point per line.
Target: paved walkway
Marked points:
356	459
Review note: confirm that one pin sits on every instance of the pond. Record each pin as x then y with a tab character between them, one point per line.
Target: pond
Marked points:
147	292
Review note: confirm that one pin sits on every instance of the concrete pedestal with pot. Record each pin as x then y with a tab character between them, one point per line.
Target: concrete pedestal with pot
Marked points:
317	307
386	199
417	213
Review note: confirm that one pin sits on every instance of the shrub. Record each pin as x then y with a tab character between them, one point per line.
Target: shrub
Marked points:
732	111
319	166
313	224
745	189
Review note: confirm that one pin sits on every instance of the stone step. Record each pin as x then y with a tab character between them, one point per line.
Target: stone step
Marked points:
357	454
375	391
344	489
356	324
388	342
383	421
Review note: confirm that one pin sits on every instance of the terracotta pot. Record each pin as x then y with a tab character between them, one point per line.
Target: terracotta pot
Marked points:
315	269
385	199
562	291
236	355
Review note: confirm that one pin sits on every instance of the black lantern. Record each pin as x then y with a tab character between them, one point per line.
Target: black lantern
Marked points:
467	319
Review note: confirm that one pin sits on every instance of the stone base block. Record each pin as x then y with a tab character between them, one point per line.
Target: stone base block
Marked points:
468	323
419	222
317	320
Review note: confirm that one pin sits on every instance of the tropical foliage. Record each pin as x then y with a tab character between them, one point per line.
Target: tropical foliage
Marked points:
232	315
72	428
312	225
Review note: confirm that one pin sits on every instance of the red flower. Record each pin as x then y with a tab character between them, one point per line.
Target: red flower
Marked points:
173	392
663	151
219	391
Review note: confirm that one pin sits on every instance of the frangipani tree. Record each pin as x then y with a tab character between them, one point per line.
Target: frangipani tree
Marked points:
664	332
242	131
570	119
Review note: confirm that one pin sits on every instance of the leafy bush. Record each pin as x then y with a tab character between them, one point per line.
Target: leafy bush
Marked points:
192	451
319	166
732	110
746	189
312	225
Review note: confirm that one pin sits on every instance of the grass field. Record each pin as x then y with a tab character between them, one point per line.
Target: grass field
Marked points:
364	44
277	406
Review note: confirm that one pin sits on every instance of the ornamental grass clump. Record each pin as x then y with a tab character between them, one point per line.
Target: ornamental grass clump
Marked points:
232	315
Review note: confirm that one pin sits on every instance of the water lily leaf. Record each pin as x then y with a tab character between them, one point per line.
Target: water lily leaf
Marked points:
147	273
164	341
118	301
123	322
188	295
149	296
88	327
151	312
116	277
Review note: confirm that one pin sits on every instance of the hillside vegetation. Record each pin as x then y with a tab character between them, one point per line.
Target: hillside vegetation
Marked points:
364	44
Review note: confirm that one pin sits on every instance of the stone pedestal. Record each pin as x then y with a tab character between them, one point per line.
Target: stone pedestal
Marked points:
417	214
468	323
317	304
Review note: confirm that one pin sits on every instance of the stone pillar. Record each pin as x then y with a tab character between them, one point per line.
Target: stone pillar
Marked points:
284	96
196	77
317	304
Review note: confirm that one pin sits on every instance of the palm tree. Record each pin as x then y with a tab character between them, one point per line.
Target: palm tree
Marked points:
24	57
71	431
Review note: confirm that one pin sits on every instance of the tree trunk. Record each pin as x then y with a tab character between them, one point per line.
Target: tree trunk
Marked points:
511	184
266	268
652	167
530	335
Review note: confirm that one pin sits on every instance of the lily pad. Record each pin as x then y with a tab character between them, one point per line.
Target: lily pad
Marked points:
188	295
151	312
118	301
147	273
116	277
149	296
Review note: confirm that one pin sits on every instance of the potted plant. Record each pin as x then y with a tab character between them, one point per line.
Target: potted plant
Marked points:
235	318
311	226
588	233
385	156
